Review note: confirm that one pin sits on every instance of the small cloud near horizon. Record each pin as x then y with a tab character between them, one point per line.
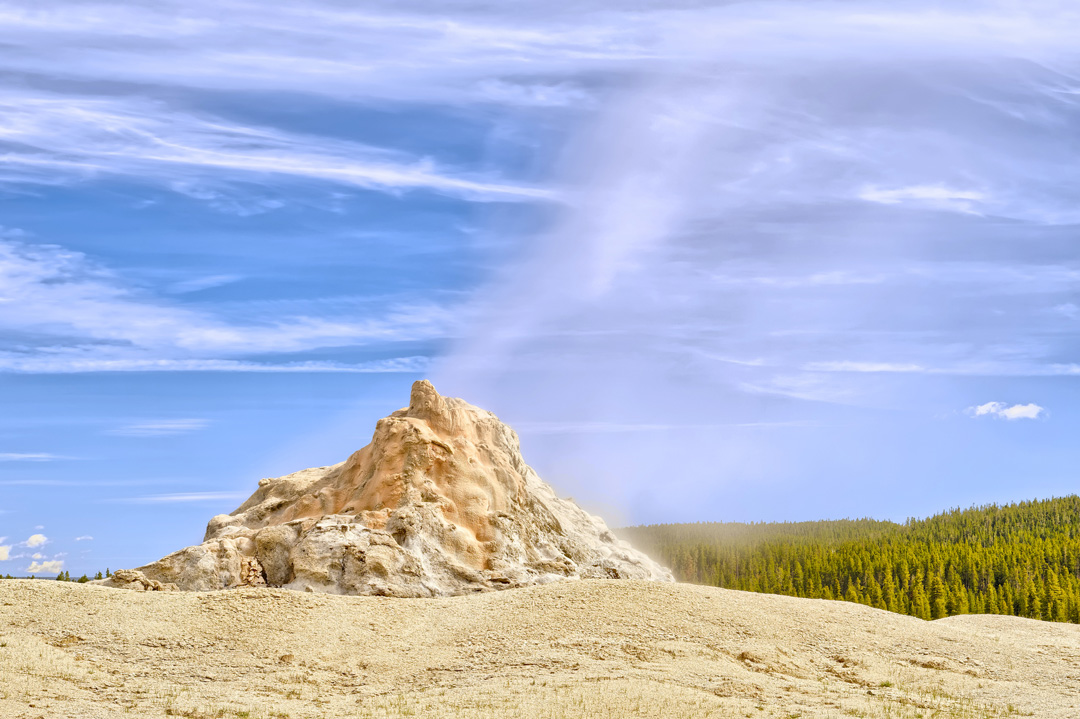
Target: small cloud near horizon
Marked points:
54	566
1001	410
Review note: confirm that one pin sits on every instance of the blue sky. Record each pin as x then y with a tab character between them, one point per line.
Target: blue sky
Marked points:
714	261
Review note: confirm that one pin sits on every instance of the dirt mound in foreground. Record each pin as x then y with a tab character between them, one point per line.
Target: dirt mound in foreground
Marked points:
597	649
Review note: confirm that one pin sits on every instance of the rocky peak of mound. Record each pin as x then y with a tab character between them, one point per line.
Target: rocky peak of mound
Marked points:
439	503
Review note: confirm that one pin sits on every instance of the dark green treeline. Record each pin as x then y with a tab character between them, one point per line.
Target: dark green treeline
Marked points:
1022	559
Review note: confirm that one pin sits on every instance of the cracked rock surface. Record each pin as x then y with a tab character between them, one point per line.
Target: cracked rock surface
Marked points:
439	503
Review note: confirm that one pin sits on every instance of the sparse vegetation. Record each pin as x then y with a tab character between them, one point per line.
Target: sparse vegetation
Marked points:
64	576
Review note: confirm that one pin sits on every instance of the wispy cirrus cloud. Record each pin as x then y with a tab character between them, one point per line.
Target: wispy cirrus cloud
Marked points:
161	428
83	482
178	497
931	195
761	205
53	138
850	366
31	457
97	322
198	284
577	428
88	360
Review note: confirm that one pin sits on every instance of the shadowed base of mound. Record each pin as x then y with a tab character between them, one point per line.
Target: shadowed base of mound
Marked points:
597	648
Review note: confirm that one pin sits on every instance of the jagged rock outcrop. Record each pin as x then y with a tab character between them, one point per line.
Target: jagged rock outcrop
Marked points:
439	503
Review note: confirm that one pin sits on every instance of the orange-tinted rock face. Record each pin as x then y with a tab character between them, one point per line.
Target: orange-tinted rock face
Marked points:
440	502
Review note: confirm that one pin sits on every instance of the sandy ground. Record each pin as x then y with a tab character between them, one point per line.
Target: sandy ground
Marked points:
573	649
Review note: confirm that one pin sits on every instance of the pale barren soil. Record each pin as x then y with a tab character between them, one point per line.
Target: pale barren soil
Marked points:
572	649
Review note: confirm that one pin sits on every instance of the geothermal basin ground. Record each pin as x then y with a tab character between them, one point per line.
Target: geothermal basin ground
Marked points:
587	648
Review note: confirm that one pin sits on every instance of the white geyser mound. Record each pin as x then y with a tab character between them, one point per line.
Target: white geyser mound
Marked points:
439	503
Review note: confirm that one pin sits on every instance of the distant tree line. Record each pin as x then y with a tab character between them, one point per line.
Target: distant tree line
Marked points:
64	577
1021	559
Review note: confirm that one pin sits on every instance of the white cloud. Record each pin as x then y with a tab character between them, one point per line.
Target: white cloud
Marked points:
559	94
84	538
1001	410
37	555
161	428
182	497
48	567
619	428
29	457
36	540
5	552
197	284
89	363
81	482
934	195
848	366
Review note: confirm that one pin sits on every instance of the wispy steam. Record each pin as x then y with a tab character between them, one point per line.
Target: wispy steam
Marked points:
812	203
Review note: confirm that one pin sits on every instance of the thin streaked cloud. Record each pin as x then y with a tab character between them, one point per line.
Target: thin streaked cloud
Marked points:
161	428
619	427
103	323
86	482
179	497
74	138
198	284
66	365
31	457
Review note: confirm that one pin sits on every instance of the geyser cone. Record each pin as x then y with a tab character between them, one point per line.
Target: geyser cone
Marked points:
440	502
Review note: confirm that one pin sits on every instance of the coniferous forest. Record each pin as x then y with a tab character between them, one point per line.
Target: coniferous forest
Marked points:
1021	559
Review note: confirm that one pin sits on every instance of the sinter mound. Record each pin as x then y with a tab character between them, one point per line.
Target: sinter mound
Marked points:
439	503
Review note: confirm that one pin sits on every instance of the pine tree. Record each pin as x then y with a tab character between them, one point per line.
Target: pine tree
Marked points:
937	598
920	605
874	594
888	591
